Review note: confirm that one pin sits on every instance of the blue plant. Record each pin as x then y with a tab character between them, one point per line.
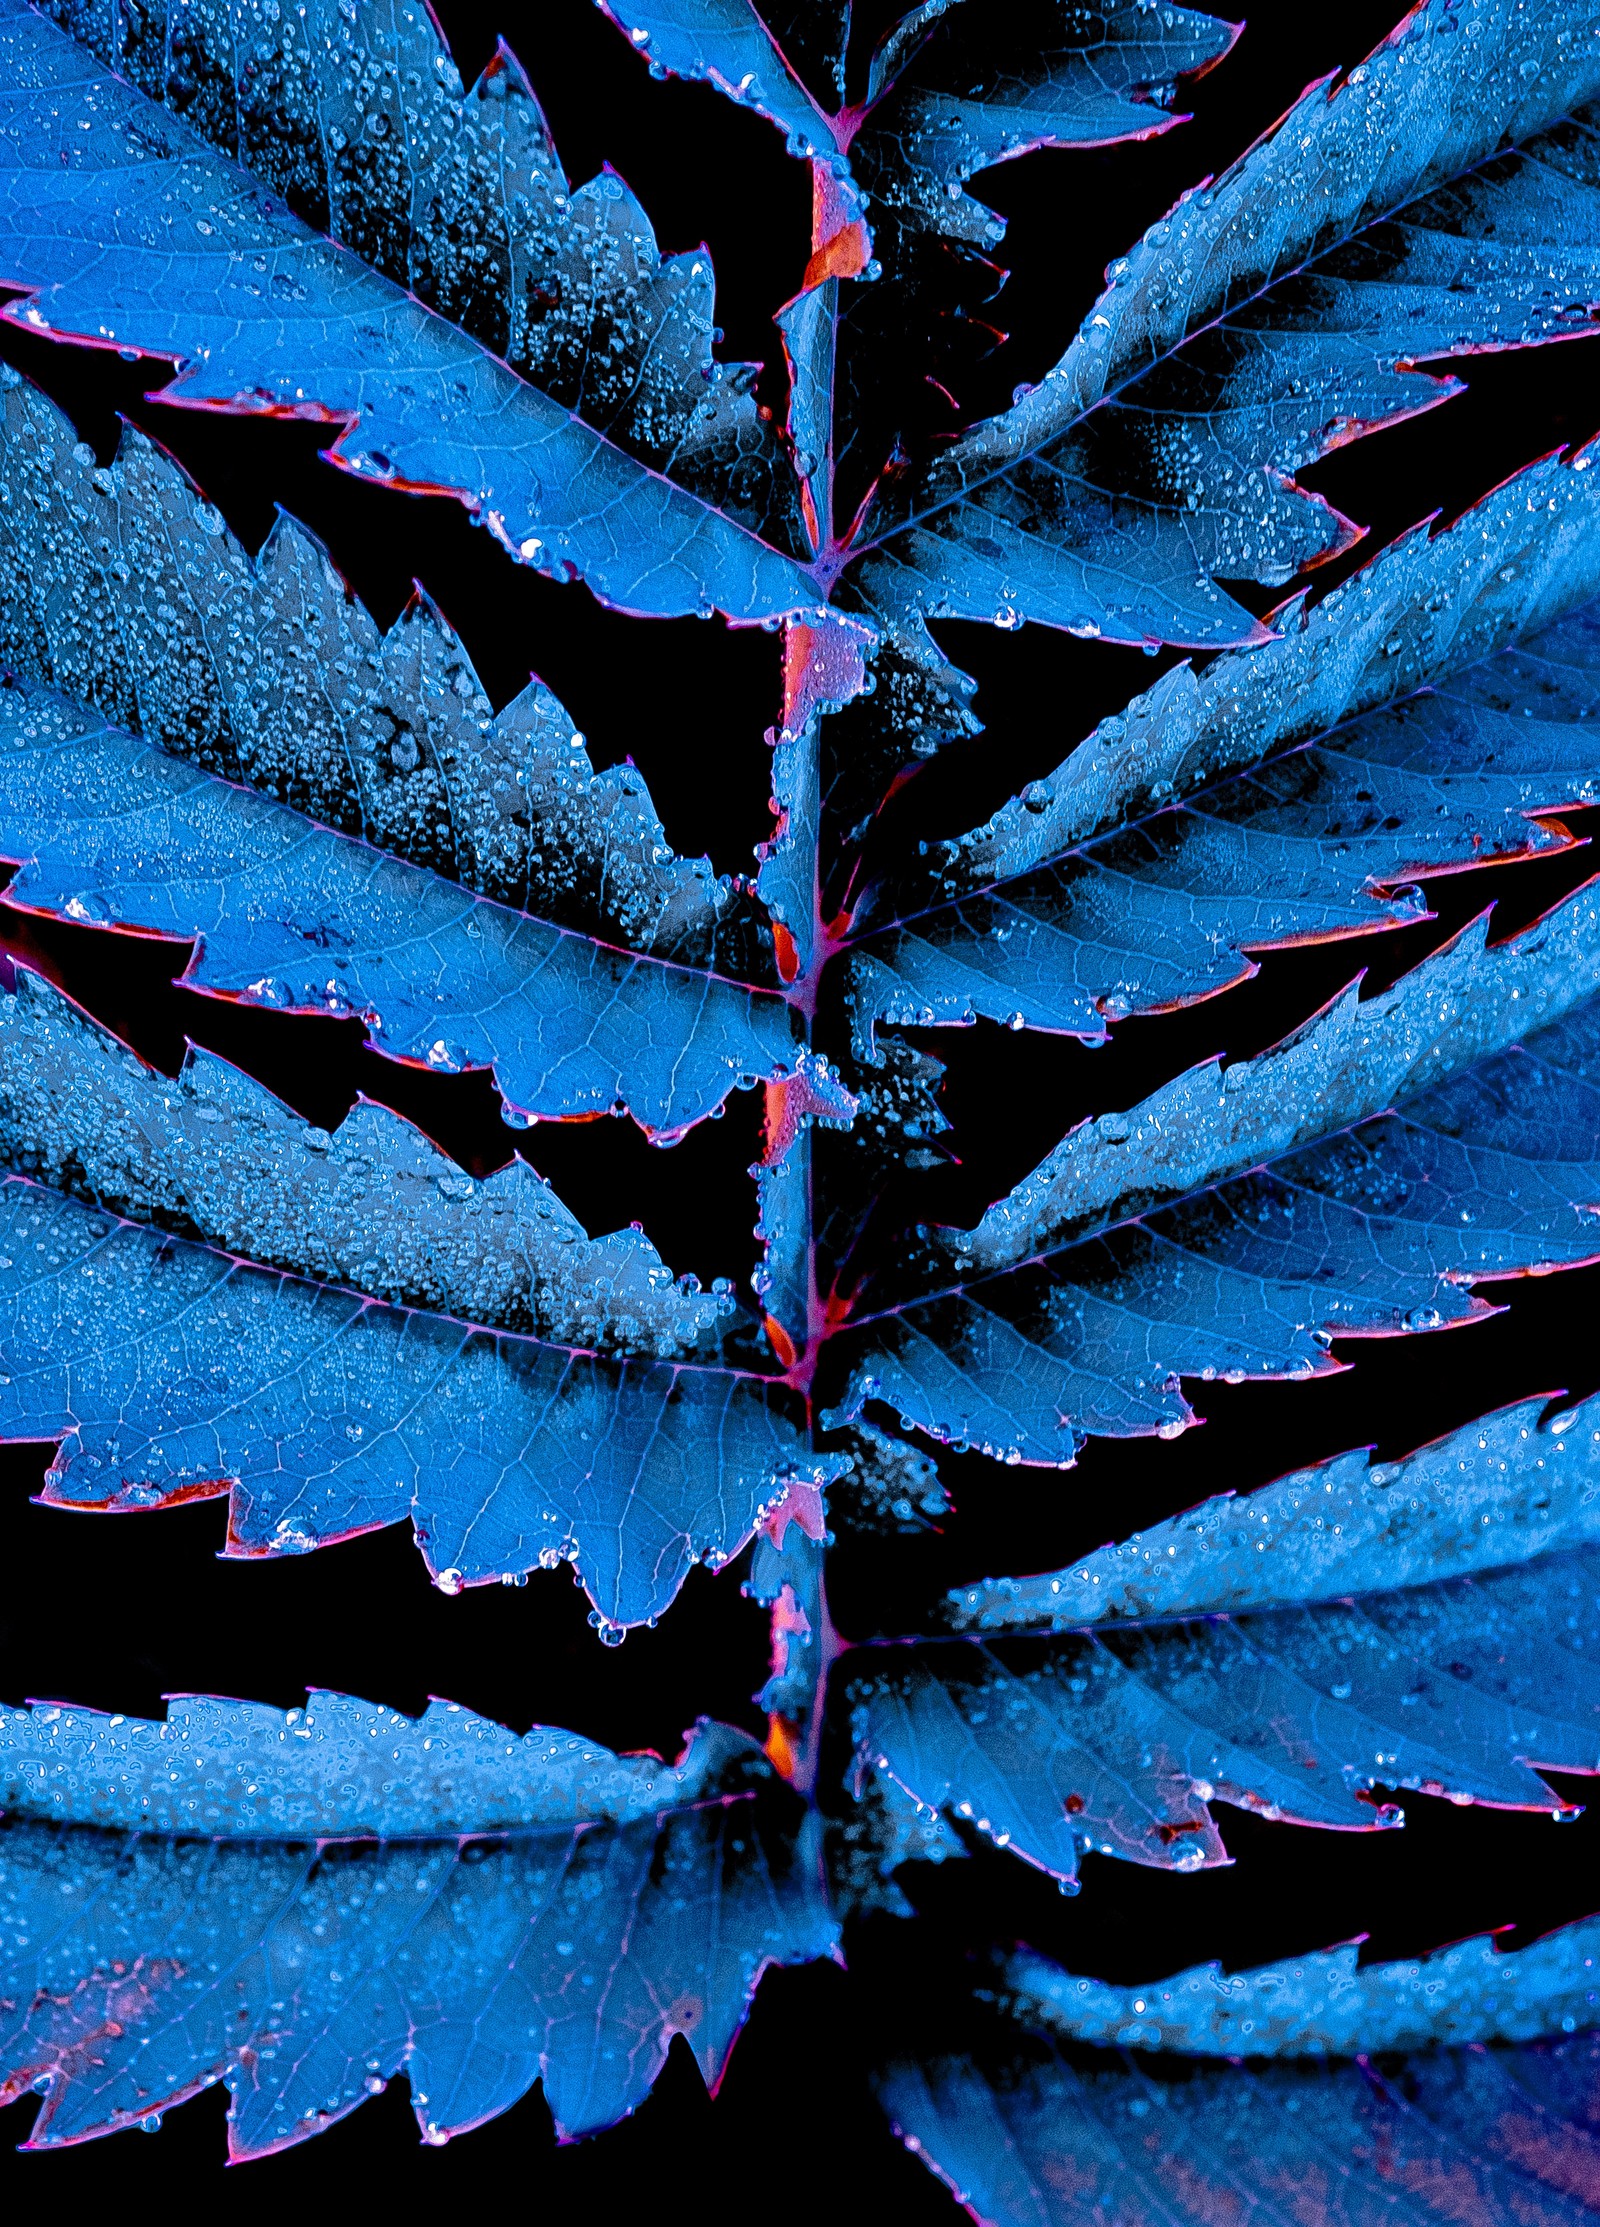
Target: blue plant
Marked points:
201	1295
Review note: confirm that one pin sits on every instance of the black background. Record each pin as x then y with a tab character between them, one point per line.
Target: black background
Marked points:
116	1613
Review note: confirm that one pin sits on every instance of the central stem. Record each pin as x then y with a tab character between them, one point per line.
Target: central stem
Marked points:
823	666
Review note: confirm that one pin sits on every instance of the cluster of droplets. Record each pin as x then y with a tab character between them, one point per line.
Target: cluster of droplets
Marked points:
235	1769
124	589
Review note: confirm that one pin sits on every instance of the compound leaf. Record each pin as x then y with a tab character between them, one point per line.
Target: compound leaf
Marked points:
201	1297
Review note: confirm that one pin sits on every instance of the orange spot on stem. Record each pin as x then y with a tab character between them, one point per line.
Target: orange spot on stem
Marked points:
782	1751
781	1342
845	255
787	950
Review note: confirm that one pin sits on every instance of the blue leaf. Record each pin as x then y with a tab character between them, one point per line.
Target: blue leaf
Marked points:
1497	1492
340	1769
1255	326
170	1372
899	1129
914	703
1034	2135
945	98
1326	2004
728	45
359	121
145	236
288	913
1424	610
1464	1002
1070	508
280	679
1439	1646
890	1486
1379	1228
122	588
881	1830
952	92
213	1156
307	209
495	1912
1092	1336
1031	916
